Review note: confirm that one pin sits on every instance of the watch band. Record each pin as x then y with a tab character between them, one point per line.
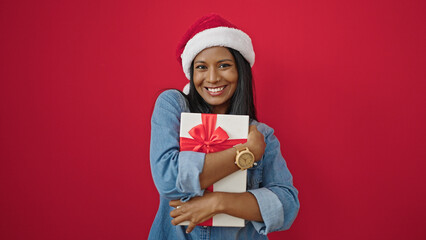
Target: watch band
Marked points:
239	147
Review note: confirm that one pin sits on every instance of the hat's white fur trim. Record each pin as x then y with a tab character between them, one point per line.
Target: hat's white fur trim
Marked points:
186	89
219	36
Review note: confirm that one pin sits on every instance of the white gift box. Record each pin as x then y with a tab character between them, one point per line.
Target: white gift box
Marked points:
236	127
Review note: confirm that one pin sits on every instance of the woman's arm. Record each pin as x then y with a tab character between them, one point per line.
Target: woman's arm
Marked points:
200	209
272	206
221	164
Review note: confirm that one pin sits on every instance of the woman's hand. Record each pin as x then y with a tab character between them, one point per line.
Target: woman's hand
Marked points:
256	142
196	210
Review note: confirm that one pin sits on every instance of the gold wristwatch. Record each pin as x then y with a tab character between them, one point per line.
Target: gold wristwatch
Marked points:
244	158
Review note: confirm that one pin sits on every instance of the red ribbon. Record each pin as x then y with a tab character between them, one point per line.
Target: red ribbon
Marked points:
208	139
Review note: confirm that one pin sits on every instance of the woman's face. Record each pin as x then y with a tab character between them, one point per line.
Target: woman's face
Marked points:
215	77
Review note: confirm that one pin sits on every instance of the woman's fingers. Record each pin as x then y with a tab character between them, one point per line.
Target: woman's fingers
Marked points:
190	227
176	212
179	219
175	203
196	210
256	142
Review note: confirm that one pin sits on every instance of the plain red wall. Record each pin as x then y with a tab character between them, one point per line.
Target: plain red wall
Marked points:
342	83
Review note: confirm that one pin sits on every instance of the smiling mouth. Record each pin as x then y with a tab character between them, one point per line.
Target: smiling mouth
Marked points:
216	89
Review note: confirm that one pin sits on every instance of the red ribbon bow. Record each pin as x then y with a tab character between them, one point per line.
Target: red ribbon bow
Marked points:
206	138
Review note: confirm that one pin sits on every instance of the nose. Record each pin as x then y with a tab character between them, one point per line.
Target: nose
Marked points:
213	76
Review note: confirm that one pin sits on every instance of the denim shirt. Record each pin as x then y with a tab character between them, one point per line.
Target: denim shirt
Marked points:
176	176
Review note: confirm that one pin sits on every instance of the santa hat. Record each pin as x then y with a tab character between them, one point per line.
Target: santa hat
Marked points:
210	31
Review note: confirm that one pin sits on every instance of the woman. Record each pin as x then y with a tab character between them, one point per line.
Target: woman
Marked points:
217	57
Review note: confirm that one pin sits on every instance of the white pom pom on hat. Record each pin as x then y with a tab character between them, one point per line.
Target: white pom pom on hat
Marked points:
210	31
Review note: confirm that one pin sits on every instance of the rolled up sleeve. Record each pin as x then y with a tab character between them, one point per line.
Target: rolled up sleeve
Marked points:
175	173
190	166
271	210
276	196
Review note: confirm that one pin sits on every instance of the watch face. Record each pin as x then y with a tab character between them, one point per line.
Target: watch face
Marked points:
245	160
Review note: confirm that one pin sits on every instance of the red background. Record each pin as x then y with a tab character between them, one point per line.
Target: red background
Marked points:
342	83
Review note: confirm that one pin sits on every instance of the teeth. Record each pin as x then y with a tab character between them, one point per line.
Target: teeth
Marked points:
215	89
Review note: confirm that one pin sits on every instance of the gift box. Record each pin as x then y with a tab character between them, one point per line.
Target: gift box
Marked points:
212	133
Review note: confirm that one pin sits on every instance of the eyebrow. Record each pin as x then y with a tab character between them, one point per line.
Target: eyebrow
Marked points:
223	60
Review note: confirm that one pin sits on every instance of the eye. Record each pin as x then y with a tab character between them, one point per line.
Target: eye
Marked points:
202	67
224	65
